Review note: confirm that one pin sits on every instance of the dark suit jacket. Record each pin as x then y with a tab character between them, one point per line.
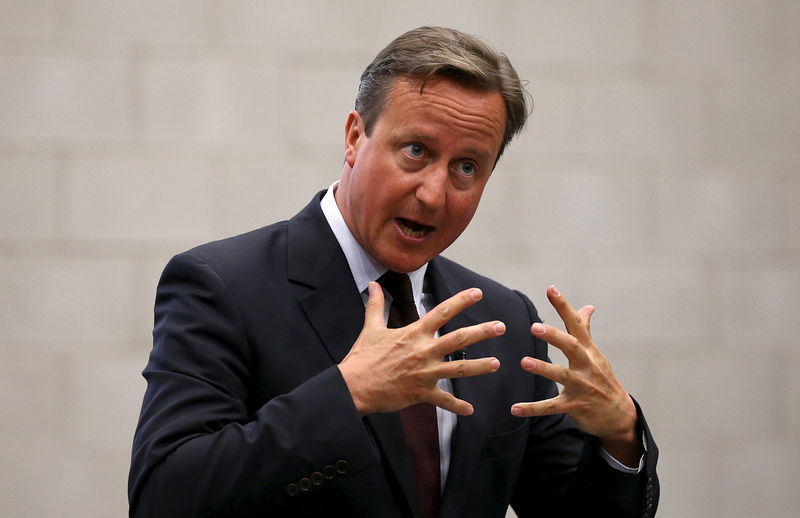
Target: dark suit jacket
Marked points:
247	414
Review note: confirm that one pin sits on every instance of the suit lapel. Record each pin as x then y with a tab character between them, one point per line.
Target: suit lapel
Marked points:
332	304
335	310
470	431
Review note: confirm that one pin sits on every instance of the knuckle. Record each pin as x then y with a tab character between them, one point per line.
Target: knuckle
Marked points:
443	310
441	399
573	343
461	370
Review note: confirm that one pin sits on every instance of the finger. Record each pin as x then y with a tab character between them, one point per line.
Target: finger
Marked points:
586	313
466	336
574	321
556	405
451	403
557	373
373	314
451	307
467	368
567	343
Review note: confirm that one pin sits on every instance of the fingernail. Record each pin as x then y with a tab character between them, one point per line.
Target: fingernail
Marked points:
537	328
499	328
555	290
528	363
476	293
495	364
515	410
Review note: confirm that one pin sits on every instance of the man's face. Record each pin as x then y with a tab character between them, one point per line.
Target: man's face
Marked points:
409	189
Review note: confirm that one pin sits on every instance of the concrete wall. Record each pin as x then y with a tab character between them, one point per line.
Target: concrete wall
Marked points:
658	180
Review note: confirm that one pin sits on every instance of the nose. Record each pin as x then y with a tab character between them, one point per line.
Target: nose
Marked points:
431	191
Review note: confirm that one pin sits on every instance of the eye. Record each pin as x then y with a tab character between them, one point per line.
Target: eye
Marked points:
415	150
467	168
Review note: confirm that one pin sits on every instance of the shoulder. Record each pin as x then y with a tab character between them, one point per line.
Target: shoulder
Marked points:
242	249
236	262
262	246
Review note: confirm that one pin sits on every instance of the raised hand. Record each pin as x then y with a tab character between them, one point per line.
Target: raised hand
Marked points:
592	395
389	369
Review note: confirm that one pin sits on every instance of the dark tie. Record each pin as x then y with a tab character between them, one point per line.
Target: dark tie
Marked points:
420	427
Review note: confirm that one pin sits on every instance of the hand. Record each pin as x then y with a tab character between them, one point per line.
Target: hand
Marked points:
389	369
592	395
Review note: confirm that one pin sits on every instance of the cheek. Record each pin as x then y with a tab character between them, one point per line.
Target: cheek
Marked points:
375	213
458	221
468	205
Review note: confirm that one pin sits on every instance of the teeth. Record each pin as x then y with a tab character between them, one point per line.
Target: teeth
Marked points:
410	231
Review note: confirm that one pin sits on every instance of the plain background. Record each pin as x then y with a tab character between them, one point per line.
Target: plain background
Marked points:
658	180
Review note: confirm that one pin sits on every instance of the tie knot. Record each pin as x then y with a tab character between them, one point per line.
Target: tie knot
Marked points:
398	285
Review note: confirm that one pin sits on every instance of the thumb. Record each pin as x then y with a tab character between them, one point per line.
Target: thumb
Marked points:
373	314
586	312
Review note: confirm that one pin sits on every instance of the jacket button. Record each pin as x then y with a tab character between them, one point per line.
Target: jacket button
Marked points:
317	478
342	466
293	489
329	472
304	483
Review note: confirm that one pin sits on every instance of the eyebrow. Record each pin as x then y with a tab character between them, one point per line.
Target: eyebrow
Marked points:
477	152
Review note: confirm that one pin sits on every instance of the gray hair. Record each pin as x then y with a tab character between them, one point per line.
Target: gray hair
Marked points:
439	52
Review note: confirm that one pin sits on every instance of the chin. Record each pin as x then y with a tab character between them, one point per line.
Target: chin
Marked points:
405	265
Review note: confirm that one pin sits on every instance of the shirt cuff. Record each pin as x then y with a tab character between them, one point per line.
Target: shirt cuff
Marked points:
614	463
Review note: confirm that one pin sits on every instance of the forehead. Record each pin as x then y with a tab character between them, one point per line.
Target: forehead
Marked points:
440	105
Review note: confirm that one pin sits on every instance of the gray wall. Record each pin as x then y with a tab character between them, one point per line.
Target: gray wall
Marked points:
657	180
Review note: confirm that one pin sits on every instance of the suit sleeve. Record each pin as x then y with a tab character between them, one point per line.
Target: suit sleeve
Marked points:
198	450
563	475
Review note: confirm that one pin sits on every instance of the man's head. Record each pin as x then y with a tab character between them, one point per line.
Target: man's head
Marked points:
429	52
434	112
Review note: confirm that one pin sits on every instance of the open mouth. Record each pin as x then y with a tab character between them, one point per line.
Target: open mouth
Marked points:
412	228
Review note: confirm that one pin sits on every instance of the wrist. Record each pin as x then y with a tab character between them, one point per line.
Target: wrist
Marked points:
625	446
351	380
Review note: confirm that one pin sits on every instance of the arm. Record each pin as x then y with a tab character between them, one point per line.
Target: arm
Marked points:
199	450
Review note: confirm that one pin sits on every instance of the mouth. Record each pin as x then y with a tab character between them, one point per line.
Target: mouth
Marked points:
412	228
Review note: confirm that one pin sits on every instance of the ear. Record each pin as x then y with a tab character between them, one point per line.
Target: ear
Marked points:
353	131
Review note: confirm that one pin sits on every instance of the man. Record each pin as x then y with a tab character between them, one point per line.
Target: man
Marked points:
276	388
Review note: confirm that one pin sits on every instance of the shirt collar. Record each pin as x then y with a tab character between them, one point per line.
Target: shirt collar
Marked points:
363	266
